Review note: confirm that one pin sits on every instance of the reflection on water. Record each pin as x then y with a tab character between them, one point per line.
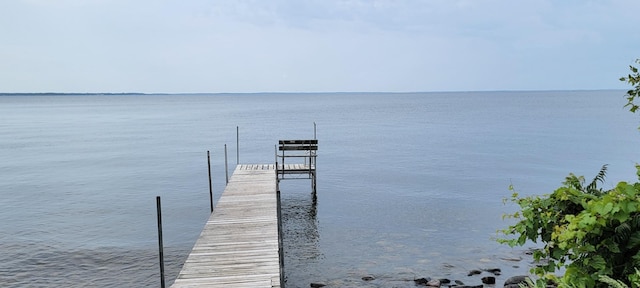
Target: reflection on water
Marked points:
300	234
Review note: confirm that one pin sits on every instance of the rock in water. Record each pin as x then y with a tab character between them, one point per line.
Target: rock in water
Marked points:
489	280
433	283
317	285
422	281
368	278
513	282
474	272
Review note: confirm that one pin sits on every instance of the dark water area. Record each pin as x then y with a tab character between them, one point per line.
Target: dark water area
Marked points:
48	266
409	185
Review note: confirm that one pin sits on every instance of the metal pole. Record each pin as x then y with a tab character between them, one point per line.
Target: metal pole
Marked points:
312	161
210	185
280	246
237	145
226	165
277	177
160	241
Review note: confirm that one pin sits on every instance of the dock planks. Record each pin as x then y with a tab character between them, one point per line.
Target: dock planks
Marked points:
238	246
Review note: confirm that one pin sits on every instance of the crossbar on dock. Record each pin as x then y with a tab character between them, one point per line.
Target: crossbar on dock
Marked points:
238	246
305	150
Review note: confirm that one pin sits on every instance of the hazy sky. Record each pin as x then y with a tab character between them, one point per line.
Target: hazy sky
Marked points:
315	45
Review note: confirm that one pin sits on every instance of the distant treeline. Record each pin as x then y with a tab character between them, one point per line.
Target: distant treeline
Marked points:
68	94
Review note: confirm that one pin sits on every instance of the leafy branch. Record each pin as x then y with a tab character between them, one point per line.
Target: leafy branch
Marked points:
633	79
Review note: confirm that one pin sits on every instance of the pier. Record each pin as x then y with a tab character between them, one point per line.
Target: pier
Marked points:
241	244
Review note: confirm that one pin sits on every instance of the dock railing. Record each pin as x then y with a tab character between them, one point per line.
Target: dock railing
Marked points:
297	160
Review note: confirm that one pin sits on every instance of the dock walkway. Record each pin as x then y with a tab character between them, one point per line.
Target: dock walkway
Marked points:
239	244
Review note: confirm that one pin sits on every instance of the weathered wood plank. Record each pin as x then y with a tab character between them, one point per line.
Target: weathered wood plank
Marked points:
298	145
304	141
256	166
238	246
296	169
298	148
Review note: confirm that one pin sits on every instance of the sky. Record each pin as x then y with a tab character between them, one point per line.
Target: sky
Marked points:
245	46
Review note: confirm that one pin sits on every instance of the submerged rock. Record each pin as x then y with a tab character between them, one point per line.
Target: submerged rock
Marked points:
433	283
444	281
512	259
489	280
422	281
474	272
368	278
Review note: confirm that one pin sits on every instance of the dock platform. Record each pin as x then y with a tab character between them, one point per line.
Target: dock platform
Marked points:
239	245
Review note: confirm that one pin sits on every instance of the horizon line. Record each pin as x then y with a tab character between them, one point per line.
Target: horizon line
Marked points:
298	92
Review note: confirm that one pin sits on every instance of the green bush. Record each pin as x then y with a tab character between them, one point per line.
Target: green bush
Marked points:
587	231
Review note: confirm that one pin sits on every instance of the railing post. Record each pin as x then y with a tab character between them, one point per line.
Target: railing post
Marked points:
226	165
237	145
277	177
210	184
280	248
160	245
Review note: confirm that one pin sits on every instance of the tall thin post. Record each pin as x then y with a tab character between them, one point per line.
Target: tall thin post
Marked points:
312	161
159	208
237	145
210	185
277	177
280	246
226	164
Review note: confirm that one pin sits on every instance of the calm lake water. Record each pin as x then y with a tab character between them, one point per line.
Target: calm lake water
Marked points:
409	185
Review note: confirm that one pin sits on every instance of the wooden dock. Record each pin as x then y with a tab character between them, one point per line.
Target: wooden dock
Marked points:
239	245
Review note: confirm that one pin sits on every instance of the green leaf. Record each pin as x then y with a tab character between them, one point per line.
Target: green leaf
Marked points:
611	246
598	262
586	221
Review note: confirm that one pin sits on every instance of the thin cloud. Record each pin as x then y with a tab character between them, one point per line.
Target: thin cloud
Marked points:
251	45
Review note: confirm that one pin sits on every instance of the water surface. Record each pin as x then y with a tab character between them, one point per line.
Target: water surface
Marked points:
409	185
